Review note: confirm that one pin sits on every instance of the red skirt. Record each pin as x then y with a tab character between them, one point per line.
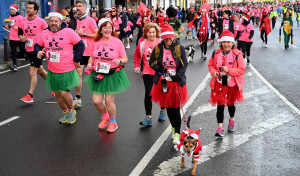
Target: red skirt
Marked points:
175	97
224	95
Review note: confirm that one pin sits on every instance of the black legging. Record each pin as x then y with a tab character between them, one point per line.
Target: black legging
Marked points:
204	46
13	45
220	112
175	118
246	47
148	83
262	36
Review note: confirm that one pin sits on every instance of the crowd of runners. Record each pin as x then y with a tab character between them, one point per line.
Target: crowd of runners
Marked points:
75	43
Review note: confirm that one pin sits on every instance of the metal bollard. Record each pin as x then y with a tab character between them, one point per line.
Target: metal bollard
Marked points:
6	49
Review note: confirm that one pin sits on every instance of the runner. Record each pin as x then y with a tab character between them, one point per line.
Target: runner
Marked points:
141	59
227	66
175	22
273	17
265	28
29	31
214	22
86	29
203	26
14	41
124	19
245	37
108	76
169	90
226	24
57	43
287	24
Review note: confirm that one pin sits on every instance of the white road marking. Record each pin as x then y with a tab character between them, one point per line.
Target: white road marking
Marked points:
18	68
208	107
229	142
152	151
9	120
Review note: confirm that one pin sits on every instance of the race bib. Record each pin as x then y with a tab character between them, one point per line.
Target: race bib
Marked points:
263	25
102	67
236	28
85	43
12	22
286	23
53	56
226	26
172	72
29	42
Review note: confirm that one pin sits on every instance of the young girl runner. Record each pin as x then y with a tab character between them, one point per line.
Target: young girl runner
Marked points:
108	76
287	24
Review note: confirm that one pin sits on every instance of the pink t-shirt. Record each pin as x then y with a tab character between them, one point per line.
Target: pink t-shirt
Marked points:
104	52
245	32
225	25
129	24
257	13
59	49
32	29
169	62
236	27
88	25
252	12
117	21
147	50
15	21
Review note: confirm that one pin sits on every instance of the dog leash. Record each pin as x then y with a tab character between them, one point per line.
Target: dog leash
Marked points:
184	117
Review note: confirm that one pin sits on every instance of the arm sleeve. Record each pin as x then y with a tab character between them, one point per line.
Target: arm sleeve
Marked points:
251	34
78	51
20	32
37	48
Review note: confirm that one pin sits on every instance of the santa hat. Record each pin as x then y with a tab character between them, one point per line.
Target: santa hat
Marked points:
129	9
246	17
55	14
167	31
14	7
103	20
226	36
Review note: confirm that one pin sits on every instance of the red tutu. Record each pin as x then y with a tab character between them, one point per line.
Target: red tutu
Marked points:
224	95
169	99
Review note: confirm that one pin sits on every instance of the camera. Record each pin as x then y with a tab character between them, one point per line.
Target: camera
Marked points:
223	77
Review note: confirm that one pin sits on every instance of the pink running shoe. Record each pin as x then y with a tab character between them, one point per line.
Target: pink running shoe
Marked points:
27	99
219	132
112	127
103	123
231	126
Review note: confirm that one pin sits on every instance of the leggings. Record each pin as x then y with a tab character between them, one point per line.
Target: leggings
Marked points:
220	112
246	47
13	45
175	118
148	83
262	36
204	46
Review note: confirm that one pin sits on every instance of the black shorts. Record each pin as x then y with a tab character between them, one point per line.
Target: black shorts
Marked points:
34	61
84	60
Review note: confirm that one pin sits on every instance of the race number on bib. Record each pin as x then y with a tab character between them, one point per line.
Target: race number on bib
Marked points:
53	56
102	67
85	43
226	26
29	42
236	28
286	23
12	22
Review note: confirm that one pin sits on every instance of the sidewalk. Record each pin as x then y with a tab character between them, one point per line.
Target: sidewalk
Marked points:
4	65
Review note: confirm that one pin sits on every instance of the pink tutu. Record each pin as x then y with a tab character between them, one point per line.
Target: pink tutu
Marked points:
175	97
224	95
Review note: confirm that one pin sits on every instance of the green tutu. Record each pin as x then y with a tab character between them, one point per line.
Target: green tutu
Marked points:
57	82
109	85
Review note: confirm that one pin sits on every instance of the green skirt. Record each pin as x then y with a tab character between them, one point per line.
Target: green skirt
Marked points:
58	82
109	85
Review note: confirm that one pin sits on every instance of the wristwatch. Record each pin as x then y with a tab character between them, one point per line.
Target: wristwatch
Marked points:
121	62
85	34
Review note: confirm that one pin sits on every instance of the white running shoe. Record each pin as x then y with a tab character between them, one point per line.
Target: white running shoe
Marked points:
127	47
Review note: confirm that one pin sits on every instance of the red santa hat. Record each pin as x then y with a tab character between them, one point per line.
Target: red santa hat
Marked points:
103	20
226	36
167	31
246	17
129	9
14	7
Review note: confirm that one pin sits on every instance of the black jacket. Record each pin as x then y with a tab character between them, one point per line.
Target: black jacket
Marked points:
180	69
123	17
132	17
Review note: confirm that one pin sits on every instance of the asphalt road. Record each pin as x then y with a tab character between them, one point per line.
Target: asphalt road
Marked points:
266	140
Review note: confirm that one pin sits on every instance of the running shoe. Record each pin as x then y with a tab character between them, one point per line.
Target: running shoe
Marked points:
15	69
127	47
176	139
72	117
162	116
64	118
231	126
27	99
173	132
112	127
103	123
219	132
77	102
146	122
